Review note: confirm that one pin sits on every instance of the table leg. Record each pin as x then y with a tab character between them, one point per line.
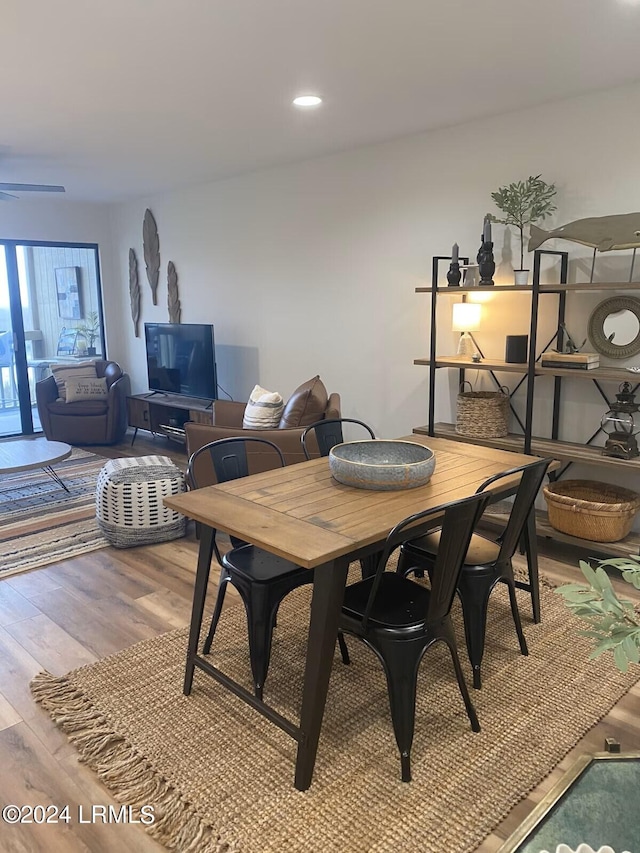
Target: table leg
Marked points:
54	476
205	554
328	593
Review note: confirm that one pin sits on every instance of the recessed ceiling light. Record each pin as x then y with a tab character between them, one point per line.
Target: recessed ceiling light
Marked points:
307	101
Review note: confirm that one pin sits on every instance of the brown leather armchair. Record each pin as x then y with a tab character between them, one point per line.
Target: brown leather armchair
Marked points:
86	421
308	404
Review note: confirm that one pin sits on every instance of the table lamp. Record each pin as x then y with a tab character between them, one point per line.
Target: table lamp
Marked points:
466	318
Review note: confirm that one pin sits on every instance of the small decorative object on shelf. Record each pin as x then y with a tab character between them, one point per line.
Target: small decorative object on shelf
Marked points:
516	349
470	272
465	319
604	233
621	426
454	275
523	203
571	346
486	262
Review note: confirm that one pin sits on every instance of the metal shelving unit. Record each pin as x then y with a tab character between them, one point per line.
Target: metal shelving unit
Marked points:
564	451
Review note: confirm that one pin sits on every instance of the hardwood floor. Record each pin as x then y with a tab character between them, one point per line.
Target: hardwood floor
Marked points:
75	612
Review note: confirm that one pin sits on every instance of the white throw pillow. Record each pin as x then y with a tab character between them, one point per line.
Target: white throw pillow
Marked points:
78	370
86	389
264	409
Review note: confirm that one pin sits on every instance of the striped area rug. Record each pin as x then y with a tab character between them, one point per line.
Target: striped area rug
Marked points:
40	523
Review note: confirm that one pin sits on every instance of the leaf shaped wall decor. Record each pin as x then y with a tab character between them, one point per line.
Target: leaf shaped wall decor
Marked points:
134	291
173	302
151	245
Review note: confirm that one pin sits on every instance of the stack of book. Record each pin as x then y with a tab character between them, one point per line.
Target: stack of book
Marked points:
578	360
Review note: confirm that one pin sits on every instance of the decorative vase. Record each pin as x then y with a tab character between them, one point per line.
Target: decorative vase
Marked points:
521	276
486	264
454	275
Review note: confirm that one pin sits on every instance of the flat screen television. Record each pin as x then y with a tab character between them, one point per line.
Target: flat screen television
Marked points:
181	359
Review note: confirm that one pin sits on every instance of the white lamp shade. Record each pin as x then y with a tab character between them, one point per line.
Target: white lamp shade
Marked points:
466	317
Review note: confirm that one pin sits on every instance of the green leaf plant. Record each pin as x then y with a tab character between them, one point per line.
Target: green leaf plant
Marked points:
613	622
90	329
523	203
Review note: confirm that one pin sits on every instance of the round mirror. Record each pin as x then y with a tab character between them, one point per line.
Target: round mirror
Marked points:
614	327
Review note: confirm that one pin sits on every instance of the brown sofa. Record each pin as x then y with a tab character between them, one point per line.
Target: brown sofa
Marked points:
86	421
308	404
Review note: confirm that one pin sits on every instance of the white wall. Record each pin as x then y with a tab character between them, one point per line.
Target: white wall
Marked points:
312	268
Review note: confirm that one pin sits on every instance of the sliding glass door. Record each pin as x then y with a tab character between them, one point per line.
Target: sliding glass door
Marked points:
50	311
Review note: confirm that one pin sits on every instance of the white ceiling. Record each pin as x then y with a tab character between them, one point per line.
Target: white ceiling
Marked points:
123	98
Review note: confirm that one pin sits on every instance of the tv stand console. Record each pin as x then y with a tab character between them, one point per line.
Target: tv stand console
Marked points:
166	414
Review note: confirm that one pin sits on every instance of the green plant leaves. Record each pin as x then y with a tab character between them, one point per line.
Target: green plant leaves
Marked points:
613	621
524	202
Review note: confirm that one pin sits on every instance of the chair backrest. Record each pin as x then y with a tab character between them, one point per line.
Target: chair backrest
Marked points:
230	462
229	458
527	489
67	342
328	433
457	520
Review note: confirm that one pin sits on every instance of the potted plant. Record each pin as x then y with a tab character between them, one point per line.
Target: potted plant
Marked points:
613	622
523	203
90	330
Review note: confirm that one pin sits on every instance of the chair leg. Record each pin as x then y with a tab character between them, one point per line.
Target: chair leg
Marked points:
400	662
516	617
462	684
222	588
531	550
474	594
260	622
344	651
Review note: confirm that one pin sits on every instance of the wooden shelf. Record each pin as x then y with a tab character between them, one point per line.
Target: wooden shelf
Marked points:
544	288
590	286
630	545
602	374
563	451
466	364
511	288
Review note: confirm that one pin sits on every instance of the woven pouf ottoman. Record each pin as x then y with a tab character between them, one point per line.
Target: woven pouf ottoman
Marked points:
129	501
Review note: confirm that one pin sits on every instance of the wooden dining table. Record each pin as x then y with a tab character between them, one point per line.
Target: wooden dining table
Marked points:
302	514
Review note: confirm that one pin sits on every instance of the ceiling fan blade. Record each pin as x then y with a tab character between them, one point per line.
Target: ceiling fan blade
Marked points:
32	188
6	196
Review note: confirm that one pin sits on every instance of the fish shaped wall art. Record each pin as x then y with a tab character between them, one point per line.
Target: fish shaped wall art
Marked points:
604	233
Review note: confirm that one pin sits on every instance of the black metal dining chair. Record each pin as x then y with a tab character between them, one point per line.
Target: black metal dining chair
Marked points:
400	619
486	562
261	578
328	433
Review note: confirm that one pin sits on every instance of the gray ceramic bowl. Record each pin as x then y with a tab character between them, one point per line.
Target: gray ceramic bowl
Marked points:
381	464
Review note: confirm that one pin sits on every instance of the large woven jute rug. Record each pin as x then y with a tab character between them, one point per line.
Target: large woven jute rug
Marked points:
220	777
41	523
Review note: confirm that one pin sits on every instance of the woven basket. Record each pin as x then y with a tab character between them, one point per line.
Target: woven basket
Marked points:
482	414
591	510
